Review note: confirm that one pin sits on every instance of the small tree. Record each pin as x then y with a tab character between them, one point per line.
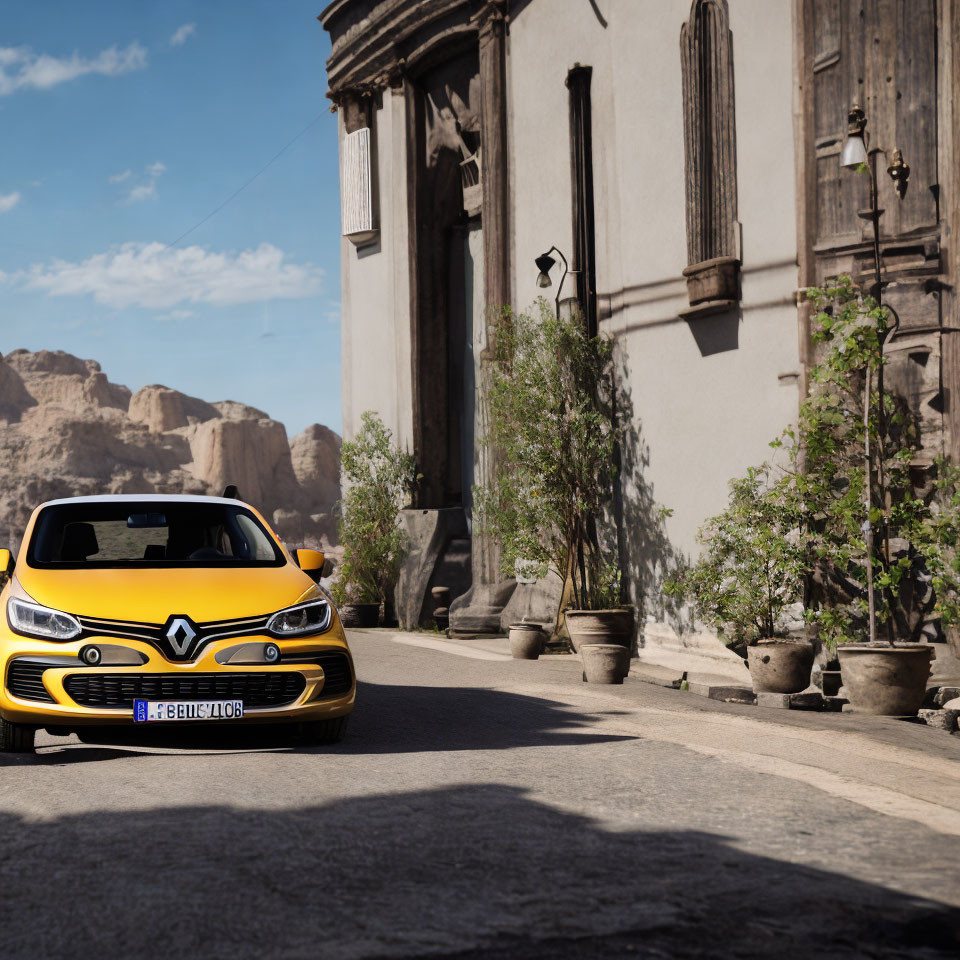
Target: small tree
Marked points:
378	479
753	562
915	521
554	430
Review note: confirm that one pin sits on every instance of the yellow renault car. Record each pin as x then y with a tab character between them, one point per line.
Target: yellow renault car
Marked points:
166	609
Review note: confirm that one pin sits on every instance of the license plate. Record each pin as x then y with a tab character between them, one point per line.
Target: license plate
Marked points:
145	711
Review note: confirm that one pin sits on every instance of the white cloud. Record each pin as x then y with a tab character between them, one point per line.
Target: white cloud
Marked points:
142	191
145	188
8	201
182	34
157	277
22	69
177	315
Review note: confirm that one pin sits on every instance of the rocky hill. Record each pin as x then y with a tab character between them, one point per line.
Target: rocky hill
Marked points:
66	430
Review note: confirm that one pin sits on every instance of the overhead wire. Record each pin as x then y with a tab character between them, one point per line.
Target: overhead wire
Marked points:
247	183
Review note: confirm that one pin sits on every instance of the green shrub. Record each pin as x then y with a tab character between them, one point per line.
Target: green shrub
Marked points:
378	480
752	566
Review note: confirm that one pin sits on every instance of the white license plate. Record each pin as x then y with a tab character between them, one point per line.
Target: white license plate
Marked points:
149	710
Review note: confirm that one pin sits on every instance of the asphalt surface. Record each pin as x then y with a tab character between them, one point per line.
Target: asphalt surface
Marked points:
482	808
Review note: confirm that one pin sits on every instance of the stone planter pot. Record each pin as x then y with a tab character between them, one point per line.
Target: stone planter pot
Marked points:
359	614
831	682
883	680
780	666
601	626
526	641
717	279
605	662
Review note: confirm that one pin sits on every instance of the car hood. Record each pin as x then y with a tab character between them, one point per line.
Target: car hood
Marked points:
152	595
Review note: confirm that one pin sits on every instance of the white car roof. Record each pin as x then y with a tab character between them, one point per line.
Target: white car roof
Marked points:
144	498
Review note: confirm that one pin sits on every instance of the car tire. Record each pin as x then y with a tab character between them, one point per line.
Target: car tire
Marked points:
324	731
15	737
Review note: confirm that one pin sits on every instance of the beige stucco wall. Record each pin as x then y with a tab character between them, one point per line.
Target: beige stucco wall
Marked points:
375	294
703	416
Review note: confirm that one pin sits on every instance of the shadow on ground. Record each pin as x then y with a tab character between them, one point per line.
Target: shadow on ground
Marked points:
388	719
470	872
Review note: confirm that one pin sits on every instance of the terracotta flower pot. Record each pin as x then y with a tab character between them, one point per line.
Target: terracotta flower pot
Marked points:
601	626
883	680
359	614
605	662
780	666
526	641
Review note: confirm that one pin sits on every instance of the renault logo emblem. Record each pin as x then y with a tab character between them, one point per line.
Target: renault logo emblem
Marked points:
181	634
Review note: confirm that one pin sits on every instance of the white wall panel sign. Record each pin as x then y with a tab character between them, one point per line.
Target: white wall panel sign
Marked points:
356	199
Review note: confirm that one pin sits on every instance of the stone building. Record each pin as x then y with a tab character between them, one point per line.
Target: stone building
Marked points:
685	158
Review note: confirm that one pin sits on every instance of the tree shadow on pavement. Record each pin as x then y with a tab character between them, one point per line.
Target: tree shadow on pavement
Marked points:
476	871
388	719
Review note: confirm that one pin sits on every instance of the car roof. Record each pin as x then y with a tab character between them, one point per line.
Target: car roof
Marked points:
145	498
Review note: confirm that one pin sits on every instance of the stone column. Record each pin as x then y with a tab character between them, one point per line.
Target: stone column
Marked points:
479	609
495	211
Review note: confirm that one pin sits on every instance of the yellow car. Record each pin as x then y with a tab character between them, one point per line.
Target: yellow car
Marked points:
166	609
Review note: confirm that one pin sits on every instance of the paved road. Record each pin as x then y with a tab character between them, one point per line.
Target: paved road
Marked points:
494	809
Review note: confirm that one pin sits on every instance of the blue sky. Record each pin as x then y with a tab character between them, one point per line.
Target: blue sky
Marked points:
123	125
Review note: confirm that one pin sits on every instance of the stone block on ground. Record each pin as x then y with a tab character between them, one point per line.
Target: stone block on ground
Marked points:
724	691
660	676
776	701
791	701
480	608
940	719
834	704
428	532
533	603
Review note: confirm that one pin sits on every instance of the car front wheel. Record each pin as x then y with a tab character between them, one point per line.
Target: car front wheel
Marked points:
16	737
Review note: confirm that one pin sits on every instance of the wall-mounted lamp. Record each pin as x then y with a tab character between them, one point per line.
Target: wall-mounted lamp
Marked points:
855	146
545	263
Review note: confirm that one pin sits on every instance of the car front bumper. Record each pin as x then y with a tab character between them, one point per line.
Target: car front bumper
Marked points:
103	694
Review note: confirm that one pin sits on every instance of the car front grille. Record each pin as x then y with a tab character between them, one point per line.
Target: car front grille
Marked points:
121	689
338	677
25	680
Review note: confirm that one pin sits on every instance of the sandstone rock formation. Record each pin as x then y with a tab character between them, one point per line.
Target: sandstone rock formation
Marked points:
66	430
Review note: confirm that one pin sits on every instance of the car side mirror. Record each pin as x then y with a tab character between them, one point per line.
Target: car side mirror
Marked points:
6	562
311	562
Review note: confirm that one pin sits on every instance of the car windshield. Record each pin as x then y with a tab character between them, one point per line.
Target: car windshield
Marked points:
150	534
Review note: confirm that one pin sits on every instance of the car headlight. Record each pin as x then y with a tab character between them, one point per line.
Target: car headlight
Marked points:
312	617
33	620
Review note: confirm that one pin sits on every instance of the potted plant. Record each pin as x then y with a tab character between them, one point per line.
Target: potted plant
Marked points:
555	430
378	480
881	531
750	574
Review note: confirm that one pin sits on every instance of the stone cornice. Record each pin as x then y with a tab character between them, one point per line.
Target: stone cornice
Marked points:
376	43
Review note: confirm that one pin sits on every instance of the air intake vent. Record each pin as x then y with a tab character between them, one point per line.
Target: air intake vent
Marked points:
25	680
119	690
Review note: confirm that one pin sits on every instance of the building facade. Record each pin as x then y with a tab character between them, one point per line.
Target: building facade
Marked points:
684	158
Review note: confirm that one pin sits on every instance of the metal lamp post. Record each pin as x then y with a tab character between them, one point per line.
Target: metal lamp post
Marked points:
855	154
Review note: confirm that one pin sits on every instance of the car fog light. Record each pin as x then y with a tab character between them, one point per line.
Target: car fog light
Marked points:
91	655
271	653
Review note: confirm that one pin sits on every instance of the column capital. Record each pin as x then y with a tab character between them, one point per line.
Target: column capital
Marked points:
491	20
